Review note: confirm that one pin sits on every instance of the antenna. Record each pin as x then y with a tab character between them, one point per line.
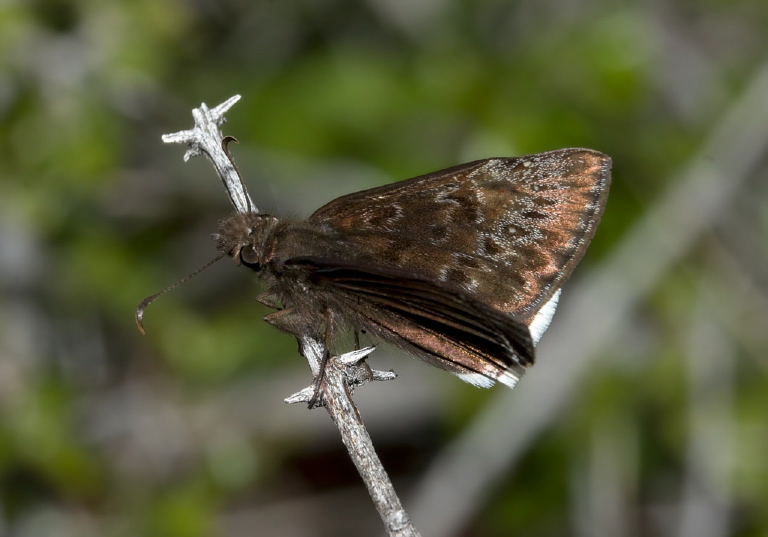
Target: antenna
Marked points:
206	138
147	301
242	192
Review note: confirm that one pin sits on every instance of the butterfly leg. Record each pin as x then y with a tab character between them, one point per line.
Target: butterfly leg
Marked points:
290	321
269	299
326	357
364	362
287	320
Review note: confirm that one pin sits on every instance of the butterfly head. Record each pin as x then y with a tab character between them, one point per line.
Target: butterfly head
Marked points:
244	237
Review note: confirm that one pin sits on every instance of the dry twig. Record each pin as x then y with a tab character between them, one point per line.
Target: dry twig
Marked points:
343	373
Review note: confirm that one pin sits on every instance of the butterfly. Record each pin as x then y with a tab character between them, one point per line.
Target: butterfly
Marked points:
462	268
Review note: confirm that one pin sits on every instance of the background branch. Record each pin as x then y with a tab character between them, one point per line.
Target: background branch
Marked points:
103	430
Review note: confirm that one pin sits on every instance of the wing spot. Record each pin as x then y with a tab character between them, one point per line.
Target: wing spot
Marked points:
467	208
491	247
513	229
534	215
545	201
439	232
392	255
468	261
456	277
384	216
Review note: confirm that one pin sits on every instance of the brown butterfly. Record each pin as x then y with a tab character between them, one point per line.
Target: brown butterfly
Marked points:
461	268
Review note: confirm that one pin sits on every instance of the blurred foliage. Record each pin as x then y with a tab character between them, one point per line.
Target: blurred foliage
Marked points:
184	433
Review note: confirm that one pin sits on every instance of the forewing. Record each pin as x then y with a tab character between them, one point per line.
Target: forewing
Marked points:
465	337
505	231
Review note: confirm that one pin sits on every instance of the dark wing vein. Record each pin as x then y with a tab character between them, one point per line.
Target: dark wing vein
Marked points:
427	318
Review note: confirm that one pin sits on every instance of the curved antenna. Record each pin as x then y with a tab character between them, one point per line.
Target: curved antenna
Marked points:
243	192
147	301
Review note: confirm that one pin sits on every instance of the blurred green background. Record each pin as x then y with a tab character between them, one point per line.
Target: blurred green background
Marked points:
646	414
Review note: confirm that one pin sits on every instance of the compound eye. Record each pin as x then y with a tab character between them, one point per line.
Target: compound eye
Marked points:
250	257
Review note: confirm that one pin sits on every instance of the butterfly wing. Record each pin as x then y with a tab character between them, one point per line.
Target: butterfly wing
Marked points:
457	333
504	231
